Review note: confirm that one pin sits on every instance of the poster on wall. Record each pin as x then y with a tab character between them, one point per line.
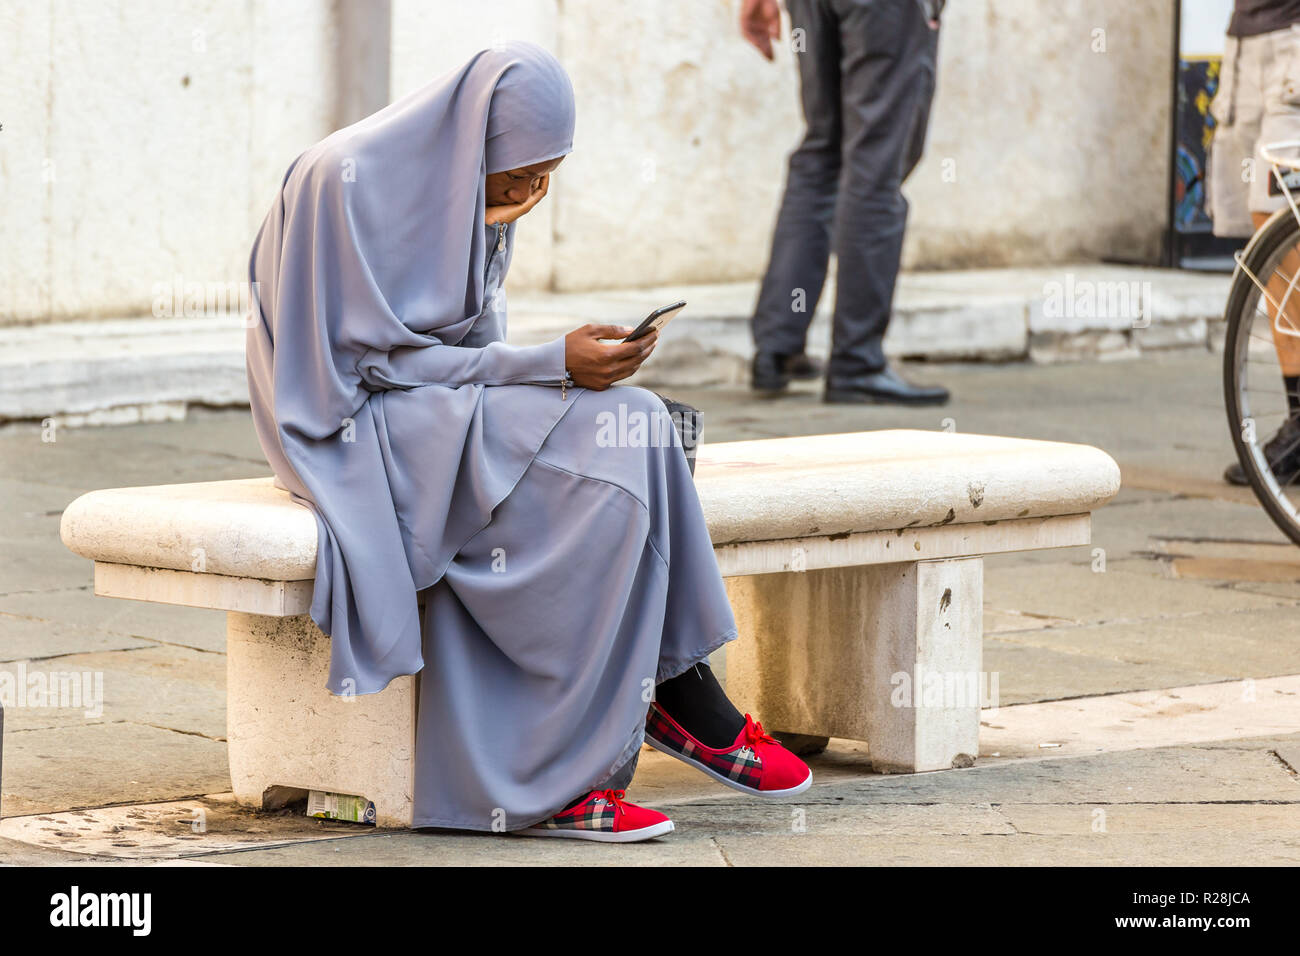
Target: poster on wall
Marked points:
1202	25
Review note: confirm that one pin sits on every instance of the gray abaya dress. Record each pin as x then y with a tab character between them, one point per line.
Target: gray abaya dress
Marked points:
594	581
559	551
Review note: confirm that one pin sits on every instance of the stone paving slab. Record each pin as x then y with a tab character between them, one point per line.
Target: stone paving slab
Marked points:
1139	528
1144	719
203	629
94	765
32	564
438	848
18	853
1175	536
1286	589
950	817
804	849
175	688
1082	596
1027	674
1228	803
1166	775
86	458
31	510
1262	643
166	830
1289	754
1191	819
1249	562
1152	850
25	638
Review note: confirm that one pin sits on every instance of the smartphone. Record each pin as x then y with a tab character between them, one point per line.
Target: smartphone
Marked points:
656	320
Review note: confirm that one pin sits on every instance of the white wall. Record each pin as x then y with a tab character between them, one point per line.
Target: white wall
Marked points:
142	140
431	37
1061	153
145	140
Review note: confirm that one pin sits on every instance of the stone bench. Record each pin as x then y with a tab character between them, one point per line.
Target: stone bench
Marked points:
853	562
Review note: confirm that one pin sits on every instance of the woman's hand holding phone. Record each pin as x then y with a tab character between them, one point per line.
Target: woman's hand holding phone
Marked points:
598	365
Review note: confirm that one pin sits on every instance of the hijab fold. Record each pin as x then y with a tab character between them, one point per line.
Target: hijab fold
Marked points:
368	270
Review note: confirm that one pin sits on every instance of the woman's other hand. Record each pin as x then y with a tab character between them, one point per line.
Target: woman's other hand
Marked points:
598	365
760	24
509	212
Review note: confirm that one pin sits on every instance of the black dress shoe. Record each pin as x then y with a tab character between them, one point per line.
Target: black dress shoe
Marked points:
884	387
773	371
767	372
1282	452
803	367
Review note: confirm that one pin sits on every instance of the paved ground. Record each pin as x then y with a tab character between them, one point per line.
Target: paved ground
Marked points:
1197	588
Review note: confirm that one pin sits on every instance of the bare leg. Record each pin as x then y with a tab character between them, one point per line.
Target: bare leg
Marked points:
1288	346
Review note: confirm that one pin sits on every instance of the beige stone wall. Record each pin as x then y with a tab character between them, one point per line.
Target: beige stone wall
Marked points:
680	150
431	38
1061	153
1049	141
144	140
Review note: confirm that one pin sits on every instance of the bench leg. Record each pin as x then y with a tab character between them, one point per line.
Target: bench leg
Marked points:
888	653
286	730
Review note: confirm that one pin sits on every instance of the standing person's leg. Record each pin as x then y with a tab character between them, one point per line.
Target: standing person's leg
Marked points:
921	119
887	79
1258	103
801	241
1280	122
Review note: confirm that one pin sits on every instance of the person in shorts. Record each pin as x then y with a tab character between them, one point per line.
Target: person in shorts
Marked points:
1258	103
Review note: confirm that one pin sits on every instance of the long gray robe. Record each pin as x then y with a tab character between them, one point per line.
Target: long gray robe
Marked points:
594	581
386	399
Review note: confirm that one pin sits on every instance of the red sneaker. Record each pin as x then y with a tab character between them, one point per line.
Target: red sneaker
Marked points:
604	817
756	763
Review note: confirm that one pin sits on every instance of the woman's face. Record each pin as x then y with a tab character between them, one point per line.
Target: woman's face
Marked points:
515	186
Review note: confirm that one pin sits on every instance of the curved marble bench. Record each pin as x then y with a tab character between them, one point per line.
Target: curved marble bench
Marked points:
850	560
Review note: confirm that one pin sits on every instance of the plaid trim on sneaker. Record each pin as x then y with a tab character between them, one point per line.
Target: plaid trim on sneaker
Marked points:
741	763
604	816
755	763
596	813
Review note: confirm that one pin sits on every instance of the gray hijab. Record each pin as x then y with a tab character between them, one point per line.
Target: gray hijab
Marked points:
376	248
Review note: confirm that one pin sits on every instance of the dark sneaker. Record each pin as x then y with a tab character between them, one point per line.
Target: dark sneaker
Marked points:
773	371
803	367
1282	452
767	372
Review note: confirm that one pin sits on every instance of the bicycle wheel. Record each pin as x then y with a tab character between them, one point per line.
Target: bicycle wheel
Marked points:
1254	393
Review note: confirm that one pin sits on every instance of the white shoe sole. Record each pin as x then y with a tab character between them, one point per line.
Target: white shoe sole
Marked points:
602	836
766	794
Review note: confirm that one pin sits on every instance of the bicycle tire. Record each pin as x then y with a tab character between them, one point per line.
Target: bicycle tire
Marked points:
1239	316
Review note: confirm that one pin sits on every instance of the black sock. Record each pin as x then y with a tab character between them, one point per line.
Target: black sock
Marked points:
696	701
573	803
1292	383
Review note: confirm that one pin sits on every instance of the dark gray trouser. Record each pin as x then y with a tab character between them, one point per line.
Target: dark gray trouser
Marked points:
866	77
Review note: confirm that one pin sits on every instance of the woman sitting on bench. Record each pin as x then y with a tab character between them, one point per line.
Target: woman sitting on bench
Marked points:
567	580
